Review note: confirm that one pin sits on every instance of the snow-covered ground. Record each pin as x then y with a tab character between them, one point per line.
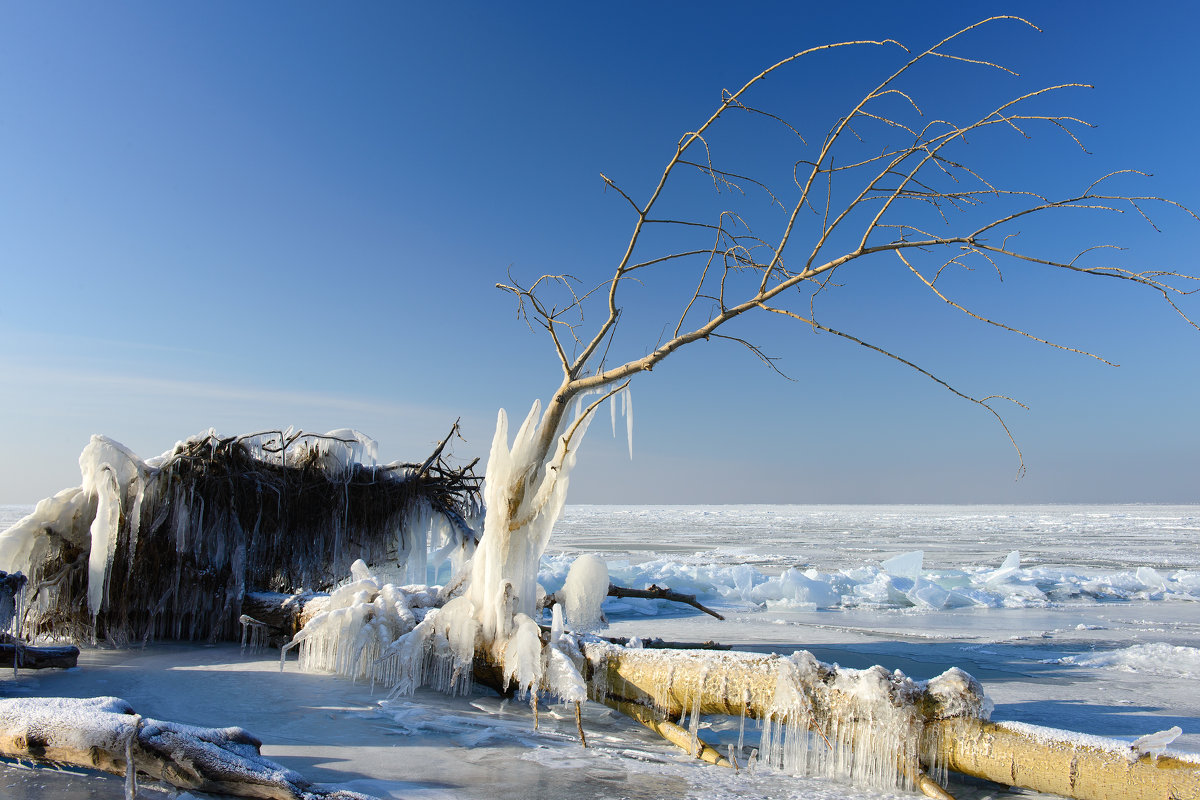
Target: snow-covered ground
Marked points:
1093	625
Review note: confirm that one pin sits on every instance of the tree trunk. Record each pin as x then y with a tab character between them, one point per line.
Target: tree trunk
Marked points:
103	733
1059	762
1042	759
26	657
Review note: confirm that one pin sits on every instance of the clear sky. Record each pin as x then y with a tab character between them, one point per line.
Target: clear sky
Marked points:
255	215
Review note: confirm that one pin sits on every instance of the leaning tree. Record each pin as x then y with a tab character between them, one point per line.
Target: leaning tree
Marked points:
886	181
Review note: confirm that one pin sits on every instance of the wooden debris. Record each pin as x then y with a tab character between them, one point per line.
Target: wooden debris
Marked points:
655	592
103	733
24	656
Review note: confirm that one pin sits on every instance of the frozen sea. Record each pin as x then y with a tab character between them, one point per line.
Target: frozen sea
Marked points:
1085	618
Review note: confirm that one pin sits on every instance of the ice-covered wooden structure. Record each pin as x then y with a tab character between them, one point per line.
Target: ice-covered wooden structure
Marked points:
169	547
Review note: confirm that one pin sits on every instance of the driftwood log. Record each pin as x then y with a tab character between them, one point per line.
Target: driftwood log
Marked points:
105	734
656	592
1041	759
24	656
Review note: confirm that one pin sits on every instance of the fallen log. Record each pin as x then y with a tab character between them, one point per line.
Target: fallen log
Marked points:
105	734
652	592
939	724
25	656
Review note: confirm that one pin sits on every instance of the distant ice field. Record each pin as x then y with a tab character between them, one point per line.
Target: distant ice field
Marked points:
786	558
831	537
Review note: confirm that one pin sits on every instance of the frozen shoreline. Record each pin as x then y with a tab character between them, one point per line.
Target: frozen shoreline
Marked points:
1117	668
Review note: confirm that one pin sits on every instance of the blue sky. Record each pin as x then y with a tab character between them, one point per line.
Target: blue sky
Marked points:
249	216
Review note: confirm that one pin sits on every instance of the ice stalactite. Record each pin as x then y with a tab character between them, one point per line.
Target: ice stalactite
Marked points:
625	397
627	407
115	477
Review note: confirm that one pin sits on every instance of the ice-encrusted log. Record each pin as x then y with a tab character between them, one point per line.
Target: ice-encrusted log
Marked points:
105	734
939	724
283	614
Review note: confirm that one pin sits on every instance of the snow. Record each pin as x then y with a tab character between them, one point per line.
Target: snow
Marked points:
1117	663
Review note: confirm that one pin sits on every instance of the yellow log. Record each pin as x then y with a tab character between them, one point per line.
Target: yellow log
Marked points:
1041	759
673	733
1058	762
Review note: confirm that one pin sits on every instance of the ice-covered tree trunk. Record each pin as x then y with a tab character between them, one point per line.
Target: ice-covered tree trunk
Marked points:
524	493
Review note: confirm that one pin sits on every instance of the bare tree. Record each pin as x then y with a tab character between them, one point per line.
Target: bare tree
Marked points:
885	181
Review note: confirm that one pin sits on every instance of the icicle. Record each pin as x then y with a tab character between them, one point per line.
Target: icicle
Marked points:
104	537
627	402
556	622
254	634
612	412
130	771
742	721
694	726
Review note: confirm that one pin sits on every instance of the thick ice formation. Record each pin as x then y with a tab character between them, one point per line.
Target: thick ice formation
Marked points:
499	604
583	592
115	477
523	498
